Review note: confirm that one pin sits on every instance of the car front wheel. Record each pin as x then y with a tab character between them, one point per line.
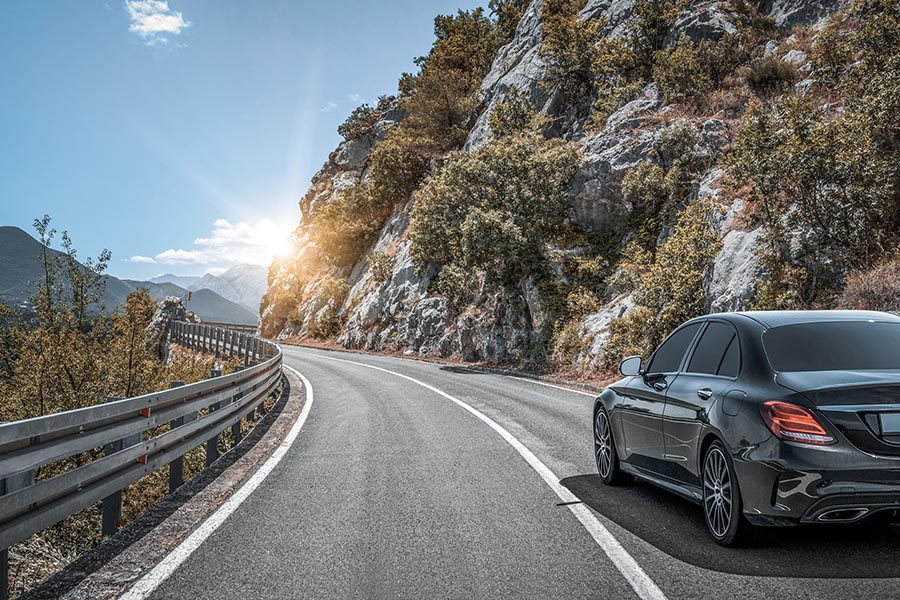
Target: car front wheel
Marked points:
722	498
605	450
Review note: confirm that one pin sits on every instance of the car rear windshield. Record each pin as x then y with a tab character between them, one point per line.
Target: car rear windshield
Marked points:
842	346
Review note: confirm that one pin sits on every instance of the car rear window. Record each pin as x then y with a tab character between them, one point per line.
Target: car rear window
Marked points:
835	346
712	349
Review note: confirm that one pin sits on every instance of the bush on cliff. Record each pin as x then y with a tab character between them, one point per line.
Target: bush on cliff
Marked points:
824	182
670	290
490	209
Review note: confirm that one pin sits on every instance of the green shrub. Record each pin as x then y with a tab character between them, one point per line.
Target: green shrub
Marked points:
360	123
770	75
507	14
395	171
457	284
380	265
491	209
672	290
569	46
515	114
652	20
679	73
442	97
877	288
332	292
345	227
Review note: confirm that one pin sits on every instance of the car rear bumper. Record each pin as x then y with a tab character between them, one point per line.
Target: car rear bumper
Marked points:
783	483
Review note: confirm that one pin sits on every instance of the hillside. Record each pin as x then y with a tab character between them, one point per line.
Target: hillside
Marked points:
564	181
21	270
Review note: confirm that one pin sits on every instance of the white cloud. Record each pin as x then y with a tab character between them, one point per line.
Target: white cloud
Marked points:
354	98
232	243
329	107
144	260
153	20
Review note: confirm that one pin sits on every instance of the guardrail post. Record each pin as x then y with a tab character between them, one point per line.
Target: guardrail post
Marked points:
236	428
212	444
176	467
111	506
8	486
245	345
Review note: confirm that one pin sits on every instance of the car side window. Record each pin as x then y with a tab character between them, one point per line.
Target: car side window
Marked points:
667	357
713	348
731	362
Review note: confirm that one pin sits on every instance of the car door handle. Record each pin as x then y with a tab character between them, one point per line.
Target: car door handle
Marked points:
704	393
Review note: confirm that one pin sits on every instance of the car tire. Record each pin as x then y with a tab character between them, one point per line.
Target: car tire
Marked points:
721	498
605	450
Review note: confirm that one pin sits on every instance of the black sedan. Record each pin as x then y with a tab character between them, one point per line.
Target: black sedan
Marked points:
763	418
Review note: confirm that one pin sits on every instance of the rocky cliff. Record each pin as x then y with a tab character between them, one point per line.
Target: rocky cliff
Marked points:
388	299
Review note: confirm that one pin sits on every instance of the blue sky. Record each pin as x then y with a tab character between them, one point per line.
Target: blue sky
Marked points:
182	133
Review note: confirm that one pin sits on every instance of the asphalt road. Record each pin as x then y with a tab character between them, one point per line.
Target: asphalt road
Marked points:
393	489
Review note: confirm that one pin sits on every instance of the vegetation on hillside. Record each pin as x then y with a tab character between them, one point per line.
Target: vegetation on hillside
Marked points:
809	144
64	355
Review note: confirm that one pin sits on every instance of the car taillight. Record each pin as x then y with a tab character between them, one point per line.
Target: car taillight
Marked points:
794	423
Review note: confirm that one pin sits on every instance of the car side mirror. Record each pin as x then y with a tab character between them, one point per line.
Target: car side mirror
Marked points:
631	366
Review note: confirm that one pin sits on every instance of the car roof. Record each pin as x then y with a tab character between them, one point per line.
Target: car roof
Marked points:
777	318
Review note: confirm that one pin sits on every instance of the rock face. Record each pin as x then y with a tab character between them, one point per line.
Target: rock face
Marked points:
167	310
401	312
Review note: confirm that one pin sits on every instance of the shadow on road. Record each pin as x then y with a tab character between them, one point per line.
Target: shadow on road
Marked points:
676	527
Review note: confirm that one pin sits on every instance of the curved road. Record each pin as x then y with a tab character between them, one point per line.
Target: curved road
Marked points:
394	488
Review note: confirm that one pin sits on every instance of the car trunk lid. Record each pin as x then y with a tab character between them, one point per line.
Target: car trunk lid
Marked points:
863	405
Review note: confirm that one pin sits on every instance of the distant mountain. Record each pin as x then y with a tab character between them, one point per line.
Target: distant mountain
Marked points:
243	284
21	271
206	304
180	280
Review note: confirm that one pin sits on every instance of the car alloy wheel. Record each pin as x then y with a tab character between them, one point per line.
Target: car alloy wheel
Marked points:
603	445
717	493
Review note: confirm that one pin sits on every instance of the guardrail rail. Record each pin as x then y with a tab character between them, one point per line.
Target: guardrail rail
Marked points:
120	427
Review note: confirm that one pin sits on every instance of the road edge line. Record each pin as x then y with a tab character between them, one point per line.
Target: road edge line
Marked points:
640	582
148	583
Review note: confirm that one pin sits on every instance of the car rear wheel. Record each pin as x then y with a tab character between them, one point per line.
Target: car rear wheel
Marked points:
722	498
605	450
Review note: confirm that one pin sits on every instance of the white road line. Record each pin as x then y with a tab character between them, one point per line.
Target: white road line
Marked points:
149	582
559	387
643	586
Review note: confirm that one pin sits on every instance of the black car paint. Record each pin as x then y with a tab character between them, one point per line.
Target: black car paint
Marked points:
782	483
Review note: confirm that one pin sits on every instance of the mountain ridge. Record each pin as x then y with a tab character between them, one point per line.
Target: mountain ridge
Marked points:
20	269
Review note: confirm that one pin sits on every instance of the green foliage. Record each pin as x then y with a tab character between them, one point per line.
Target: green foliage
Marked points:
831	176
395	171
441	98
679	72
652	21
515	114
654	190
877	288
380	265
346	226
457	284
569	44
491	209
770	75
360	123
506	14
670	291
332	292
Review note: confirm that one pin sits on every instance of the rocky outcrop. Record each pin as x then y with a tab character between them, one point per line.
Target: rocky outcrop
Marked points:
402	312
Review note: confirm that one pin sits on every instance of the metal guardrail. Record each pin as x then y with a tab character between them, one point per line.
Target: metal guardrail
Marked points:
121	428
234	326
